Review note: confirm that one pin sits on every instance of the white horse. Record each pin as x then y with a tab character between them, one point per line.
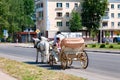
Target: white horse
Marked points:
42	46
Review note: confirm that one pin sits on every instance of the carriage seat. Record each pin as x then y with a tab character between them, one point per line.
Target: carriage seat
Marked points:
73	43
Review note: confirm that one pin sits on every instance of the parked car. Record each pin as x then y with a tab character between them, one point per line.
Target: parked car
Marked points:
104	40
116	39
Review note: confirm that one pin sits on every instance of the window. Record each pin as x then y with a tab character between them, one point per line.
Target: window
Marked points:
67	14
118	15
59	14
40	15
67	24
104	24
112	15
40	5
112	24
59	5
67	5
118	6
76	5
118	24
107	9
112	6
59	24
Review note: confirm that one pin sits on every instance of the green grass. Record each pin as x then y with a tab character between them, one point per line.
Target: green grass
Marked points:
23	71
107	46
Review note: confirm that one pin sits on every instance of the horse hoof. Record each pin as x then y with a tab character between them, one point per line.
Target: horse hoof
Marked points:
36	61
48	62
42	62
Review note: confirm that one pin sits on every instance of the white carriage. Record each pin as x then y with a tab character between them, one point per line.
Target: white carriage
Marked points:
71	49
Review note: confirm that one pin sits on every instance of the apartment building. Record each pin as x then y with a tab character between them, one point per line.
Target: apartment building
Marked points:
54	15
111	20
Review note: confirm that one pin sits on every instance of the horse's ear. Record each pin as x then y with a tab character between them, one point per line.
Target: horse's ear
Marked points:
33	39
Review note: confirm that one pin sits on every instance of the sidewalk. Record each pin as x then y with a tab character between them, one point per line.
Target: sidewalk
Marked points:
4	76
115	51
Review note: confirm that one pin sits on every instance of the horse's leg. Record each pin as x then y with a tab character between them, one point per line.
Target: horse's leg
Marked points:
37	56
47	52
42	56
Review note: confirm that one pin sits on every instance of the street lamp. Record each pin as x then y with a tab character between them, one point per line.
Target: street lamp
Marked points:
100	30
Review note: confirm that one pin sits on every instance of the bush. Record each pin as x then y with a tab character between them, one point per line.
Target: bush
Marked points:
111	46
118	43
107	43
102	46
9	39
86	45
94	45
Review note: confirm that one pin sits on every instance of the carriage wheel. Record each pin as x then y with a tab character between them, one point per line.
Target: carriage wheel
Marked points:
63	64
83	59
51	60
63	61
70	62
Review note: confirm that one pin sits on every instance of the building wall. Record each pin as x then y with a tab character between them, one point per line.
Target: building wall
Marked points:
49	22
48	25
112	22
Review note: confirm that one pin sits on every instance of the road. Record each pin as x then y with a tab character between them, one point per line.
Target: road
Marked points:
102	66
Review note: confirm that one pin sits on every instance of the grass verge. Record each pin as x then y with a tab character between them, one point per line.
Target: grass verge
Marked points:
22	71
104	45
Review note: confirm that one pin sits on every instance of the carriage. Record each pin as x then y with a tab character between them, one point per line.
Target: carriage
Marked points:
72	49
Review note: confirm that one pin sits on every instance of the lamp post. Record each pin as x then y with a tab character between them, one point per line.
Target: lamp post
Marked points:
100	30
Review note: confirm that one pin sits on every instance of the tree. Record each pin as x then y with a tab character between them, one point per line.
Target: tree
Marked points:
15	14
93	34
92	11
3	21
107	34
28	9
75	22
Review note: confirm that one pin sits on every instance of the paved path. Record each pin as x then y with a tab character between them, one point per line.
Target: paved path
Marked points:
4	76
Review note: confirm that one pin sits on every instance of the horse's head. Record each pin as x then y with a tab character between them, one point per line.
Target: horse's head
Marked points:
35	42
42	38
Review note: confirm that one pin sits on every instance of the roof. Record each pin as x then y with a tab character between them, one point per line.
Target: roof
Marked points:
34	33
114	1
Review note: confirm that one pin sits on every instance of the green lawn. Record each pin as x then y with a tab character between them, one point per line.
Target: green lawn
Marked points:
23	71
104	45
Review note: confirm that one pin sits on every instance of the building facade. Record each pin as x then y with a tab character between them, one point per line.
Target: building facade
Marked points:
111	20
54	15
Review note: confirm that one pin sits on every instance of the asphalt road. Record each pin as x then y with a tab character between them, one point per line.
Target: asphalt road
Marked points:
102	66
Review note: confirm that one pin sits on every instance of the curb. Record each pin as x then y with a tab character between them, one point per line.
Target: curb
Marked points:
103	50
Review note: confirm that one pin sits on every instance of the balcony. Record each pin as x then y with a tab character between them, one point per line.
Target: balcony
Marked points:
39	18
59	18
59	8
105	18
39	9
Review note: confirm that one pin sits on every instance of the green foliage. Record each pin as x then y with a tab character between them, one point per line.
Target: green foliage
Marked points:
94	33
9	39
94	45
102	46
118	43
15	15
75	22
111	46
92	11
107	34
86	45
107	43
